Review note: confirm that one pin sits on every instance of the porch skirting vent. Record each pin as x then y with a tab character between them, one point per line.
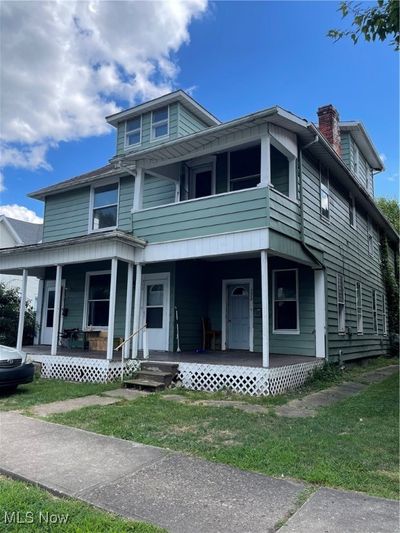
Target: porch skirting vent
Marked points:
193	376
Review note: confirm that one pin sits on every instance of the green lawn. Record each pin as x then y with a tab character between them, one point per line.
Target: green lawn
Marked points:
35	506
352	445
49	390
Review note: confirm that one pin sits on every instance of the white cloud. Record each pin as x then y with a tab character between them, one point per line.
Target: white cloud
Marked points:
20	212
65	65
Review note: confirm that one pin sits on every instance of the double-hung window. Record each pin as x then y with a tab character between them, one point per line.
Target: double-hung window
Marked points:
359	308
159	123
375	311
370	239
133	134
384	314
104	207
286	301
341	304
324	192
97	300
352	212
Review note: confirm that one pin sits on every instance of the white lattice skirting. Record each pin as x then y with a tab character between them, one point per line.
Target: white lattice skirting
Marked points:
83	369
245	379
193	376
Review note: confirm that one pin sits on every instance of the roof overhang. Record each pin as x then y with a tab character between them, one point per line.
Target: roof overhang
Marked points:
113	171
364	143
93	247
177	96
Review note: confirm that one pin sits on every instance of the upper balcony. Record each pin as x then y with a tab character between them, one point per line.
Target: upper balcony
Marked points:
250	186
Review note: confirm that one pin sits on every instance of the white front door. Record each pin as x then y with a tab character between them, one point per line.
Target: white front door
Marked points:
238	315
48	311
155	305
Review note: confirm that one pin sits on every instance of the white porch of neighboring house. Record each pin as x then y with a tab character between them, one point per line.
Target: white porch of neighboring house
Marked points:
255	370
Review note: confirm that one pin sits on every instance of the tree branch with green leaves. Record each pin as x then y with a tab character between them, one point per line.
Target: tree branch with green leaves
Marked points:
379	22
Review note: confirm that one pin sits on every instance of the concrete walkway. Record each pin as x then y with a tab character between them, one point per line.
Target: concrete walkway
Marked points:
181	493
308	405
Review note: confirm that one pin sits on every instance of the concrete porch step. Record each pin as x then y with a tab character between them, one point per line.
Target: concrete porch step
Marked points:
153	375
144	384
155	366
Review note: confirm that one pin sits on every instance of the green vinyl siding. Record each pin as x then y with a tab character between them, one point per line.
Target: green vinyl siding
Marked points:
66	215
125	203
345	253
188	123
345	145
284	214
363	173
157	191
206	216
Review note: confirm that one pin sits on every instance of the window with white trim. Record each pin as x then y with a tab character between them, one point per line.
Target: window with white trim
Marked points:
285	301
97	299
375	311
104	207
370	239
341	304
324	192
356	159
359	308
133	132
384	314
352	212
159	123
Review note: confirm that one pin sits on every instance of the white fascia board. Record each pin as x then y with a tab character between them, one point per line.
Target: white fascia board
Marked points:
210	246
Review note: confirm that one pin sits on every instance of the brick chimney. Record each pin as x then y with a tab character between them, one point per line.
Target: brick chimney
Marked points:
328	125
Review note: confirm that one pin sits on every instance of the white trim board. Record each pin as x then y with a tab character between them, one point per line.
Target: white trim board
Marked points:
225	284
211	245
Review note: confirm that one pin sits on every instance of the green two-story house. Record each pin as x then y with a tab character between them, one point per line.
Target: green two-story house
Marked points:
249	245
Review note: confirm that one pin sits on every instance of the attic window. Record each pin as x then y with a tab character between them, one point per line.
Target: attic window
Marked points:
324	192
133	131
159	123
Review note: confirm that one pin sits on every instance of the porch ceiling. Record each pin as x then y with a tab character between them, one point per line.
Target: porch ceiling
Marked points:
93	247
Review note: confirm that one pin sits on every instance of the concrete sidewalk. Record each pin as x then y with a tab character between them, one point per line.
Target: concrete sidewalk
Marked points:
178	492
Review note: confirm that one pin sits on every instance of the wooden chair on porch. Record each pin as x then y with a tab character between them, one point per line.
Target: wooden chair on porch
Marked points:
210	335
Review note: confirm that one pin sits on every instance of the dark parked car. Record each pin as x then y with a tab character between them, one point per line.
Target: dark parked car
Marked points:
15	369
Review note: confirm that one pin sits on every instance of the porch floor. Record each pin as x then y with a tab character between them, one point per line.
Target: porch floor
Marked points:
238	358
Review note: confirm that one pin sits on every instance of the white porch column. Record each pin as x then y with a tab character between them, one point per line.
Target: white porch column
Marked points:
128	309
138	192
265	170
136	310
21	320
265	309
111	312
320	315
56	315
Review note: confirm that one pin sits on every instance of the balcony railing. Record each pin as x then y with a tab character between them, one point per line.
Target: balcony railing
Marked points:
222	213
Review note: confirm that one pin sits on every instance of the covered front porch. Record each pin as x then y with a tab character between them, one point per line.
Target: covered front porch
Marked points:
230	358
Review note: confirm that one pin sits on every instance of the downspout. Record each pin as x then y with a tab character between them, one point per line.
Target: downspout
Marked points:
302	236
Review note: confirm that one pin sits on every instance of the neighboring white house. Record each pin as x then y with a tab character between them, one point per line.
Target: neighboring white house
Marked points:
18	233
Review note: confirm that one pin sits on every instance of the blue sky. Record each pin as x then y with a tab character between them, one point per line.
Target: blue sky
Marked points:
245	56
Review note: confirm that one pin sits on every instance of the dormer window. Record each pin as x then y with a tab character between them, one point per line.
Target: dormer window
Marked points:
159	123
133	135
